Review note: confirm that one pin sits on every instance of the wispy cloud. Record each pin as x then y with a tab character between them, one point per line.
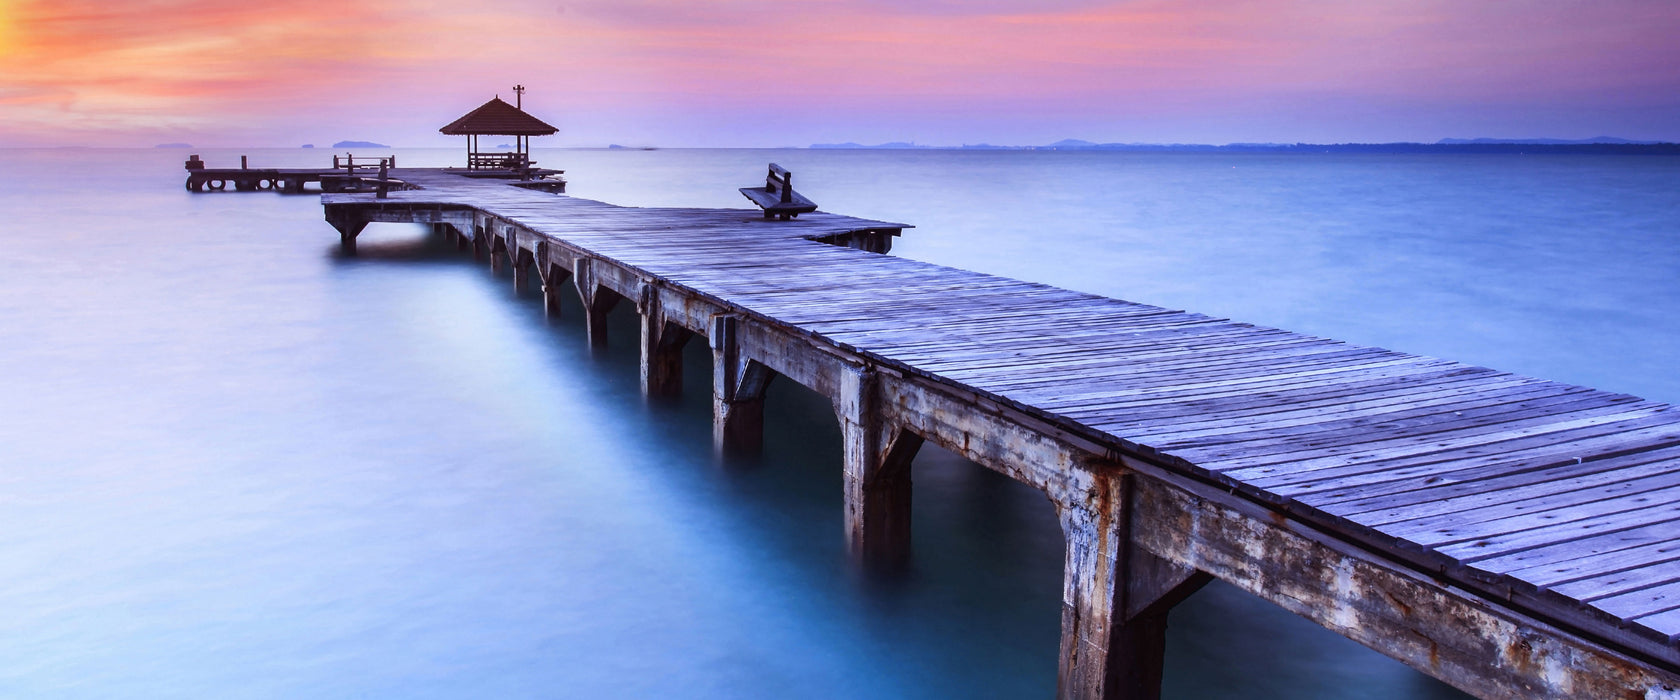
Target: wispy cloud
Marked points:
1256	68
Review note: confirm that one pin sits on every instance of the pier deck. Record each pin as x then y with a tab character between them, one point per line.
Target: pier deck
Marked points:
1508	535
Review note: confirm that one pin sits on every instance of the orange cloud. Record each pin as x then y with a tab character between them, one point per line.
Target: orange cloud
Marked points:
87	66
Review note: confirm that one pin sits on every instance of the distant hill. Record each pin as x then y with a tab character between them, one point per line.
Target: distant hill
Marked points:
173	145
359	144
1545	142
307	145
850	145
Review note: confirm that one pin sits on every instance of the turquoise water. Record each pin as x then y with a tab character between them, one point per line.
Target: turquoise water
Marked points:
239	465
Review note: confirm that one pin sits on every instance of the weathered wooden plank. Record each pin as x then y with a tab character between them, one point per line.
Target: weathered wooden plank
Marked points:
1650	573
1437	403
1576	567
1488	547
1640	540
1667	622
1351	470
1643	602
1536	512
1504	487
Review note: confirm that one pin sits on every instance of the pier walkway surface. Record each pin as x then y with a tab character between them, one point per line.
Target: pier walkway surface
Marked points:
1511	536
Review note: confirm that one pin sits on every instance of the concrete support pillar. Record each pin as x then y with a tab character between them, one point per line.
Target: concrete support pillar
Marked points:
662	345
551	281
349	224
738	386
877	459
595	311
456	235
510	248
1115	599
597	301
522	265
347	241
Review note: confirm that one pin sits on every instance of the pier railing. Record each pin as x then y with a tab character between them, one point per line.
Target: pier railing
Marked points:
349	163
498	160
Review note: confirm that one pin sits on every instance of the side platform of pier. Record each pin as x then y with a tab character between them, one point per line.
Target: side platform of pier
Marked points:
1510	536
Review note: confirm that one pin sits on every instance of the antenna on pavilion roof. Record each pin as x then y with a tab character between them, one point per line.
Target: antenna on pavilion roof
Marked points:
519	96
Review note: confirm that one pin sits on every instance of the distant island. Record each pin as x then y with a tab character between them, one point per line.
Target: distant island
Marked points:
173	145
307	145
1601	145
359	144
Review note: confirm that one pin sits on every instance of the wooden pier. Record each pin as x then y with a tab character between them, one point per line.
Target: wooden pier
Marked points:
1510	536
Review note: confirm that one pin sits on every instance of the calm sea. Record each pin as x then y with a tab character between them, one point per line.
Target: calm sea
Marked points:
235	464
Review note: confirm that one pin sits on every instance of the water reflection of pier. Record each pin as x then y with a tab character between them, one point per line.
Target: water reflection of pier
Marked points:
1508	535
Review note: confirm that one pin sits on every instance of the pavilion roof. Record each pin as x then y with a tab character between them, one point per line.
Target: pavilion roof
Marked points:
498	118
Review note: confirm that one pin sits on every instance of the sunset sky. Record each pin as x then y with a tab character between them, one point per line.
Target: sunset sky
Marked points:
794	72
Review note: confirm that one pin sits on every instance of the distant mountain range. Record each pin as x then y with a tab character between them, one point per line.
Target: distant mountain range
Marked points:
1549	142
1600	144
894	144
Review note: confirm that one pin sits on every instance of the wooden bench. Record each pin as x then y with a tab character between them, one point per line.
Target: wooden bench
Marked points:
777	197
498	160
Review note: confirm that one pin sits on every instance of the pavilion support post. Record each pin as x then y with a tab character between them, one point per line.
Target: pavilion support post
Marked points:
1115	598
738	387
877	457
662	346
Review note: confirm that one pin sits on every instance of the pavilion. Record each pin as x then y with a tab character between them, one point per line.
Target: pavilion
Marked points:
499	118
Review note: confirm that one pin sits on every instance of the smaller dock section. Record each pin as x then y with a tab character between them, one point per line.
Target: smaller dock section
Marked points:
348	174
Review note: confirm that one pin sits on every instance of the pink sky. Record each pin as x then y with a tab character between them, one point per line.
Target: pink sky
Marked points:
794	72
